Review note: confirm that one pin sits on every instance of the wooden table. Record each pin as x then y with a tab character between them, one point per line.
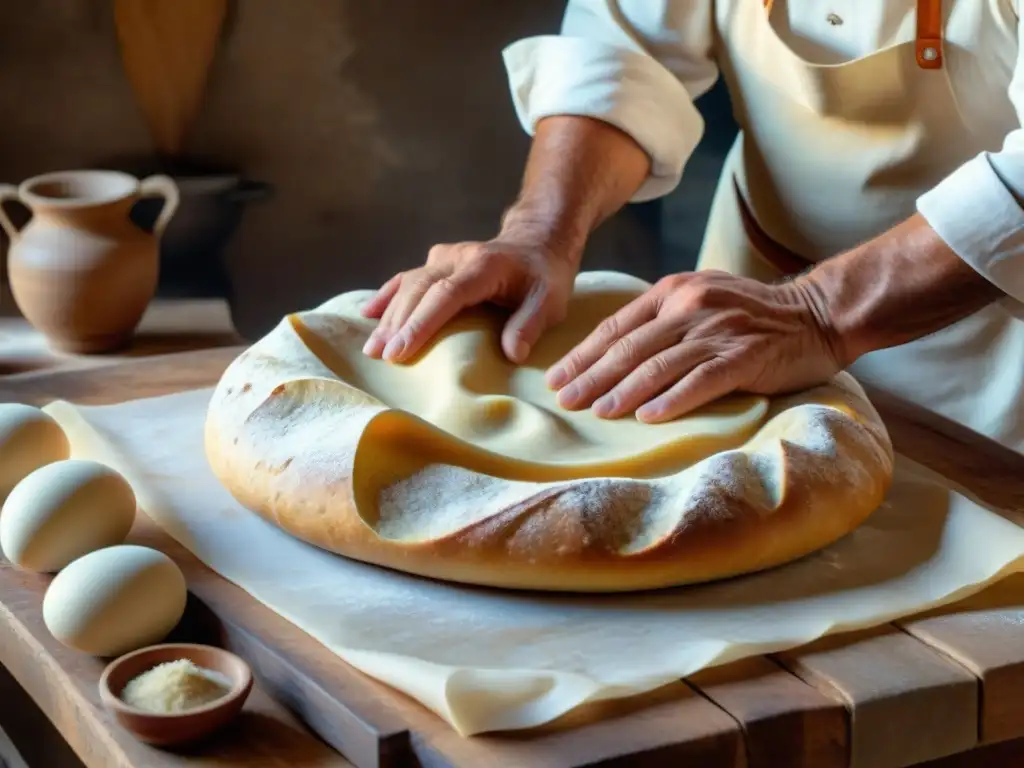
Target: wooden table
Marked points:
169	325
268	735
948	685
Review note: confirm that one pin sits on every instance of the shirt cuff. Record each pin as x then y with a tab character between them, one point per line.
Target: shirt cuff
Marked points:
981	220
558	75
1009	165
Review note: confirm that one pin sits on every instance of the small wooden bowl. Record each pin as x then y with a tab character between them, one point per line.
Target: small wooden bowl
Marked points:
164	730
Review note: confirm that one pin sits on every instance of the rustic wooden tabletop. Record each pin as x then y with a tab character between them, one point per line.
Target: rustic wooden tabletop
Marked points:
948	685
169	325
63	682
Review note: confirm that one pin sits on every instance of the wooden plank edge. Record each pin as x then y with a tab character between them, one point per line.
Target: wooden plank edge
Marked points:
785	721
907	703
354	734
43	679
673	725
348	717
985	634
144	376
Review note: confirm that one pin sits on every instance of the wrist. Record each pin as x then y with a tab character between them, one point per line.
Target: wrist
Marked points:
819	293
899	287
561	238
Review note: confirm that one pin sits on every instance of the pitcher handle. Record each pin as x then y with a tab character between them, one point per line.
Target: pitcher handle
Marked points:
8	192
161	186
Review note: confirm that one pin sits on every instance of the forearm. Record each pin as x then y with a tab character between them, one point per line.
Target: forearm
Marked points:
894	289
580	171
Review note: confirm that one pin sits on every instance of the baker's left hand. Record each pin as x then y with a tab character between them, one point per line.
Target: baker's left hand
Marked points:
695	337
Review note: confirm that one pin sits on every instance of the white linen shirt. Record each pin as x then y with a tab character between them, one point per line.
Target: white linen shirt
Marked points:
639	64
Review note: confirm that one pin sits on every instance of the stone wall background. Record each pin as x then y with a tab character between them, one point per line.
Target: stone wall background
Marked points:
384	126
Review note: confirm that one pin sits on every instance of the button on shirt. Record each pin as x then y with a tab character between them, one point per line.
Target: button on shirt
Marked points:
639	64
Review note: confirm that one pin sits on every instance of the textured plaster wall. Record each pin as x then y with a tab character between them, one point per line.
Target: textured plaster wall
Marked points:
384	125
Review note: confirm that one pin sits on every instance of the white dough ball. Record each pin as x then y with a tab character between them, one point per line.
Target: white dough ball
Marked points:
29	439
65	510
115	600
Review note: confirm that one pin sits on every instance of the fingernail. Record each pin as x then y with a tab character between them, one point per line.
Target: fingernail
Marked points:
604	406
373	346
648	412
394	348
520	350
568	396
557	377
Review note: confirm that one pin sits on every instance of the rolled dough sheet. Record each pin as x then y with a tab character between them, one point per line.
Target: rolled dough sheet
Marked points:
463	384
487	660
461	465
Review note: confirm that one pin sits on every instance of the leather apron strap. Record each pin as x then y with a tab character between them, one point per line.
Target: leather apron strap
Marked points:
929	34
779	256
928	51
928	46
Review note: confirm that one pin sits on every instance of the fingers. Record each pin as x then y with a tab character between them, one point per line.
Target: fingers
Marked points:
644	381
705	383
414	305
640	352
444	299
375	307
591	349
412	288
529	321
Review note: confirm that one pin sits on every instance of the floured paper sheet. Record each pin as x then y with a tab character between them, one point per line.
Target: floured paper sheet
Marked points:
487	660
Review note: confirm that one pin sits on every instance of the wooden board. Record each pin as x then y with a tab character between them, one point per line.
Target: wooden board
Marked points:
894	687
167	47
168	326
64	684
811	708
983	633
371	724
785	721
1006	754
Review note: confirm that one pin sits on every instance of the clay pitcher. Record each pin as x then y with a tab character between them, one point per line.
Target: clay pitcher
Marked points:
80	271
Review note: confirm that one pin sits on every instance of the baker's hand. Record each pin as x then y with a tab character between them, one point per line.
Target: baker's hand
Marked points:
516	272
695	337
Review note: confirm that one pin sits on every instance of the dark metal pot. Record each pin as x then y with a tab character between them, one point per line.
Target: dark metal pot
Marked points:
211	208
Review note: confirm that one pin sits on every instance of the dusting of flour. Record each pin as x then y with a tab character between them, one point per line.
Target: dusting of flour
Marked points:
636	515
315	433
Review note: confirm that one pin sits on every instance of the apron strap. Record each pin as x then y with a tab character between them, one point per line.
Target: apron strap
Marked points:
779	256
928	46
929	34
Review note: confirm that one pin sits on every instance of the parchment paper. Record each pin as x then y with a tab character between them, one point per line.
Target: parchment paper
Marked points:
488	660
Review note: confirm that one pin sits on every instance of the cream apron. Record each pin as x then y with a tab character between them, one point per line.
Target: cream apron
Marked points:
831	155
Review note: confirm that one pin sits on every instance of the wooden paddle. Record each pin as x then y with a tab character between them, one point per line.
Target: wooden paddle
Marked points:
167	47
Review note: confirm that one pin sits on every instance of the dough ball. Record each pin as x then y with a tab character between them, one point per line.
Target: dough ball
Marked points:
65	510
29	439
115	600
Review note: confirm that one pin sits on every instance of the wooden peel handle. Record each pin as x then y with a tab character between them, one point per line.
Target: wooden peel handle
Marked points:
167	49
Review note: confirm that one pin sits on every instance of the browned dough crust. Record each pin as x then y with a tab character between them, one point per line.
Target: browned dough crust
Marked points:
819	465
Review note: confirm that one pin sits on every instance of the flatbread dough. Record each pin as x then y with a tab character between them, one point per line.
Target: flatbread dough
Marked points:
421	466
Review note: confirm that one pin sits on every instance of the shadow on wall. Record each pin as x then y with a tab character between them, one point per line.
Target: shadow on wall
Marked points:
382	127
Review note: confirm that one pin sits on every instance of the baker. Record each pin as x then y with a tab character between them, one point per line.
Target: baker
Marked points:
868	217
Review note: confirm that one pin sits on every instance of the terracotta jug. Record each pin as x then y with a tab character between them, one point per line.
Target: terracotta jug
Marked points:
80	271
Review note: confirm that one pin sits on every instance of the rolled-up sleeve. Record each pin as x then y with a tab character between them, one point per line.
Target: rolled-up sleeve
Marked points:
979	208
635	64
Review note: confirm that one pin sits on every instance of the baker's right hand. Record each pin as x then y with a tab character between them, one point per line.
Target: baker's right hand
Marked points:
517	273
